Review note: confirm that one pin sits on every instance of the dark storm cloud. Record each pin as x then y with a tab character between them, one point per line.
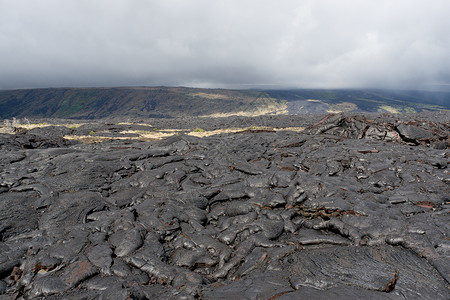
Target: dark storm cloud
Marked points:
225	43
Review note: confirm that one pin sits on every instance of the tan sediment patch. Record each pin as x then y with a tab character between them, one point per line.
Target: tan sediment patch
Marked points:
234	130
212	96
33	126
341	107
388	108
272	109
314	100
143	135
8	130
41	125
90	139
73	126
214	132
155	134
173	130
296	129
132	123
146	135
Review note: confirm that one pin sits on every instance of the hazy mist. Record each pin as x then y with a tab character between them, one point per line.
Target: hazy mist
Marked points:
226	43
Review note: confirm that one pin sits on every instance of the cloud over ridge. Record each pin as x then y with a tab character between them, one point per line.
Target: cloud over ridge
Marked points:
322	43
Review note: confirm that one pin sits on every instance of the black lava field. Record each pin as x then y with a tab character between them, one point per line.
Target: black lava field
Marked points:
355	206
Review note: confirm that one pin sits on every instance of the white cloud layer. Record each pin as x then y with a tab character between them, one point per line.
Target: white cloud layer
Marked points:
225	43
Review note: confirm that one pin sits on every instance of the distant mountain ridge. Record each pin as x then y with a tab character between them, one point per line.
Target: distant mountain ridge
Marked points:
170	102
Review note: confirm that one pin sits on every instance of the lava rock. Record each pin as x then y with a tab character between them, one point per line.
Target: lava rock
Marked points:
353	206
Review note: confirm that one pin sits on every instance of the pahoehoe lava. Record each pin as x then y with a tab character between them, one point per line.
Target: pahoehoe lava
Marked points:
354	206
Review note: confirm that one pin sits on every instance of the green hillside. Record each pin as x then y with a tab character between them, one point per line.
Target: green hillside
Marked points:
159	102
365	100
170	102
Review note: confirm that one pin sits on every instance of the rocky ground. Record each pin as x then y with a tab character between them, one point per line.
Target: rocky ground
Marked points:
353	206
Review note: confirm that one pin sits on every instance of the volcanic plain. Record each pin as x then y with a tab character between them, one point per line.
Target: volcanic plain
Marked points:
344	205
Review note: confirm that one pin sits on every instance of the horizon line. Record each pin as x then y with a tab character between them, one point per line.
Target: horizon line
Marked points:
251	87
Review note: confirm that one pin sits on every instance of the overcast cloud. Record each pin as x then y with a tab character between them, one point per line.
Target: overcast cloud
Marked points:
225	43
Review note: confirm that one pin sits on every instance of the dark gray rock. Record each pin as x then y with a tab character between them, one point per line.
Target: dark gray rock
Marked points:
342	291
2	287
411	132
126	241
77	272
322	268
120	268
258	286
102	283
114	292
47	285
100	256
354	206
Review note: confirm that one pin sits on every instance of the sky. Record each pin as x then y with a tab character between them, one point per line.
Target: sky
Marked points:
393	44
